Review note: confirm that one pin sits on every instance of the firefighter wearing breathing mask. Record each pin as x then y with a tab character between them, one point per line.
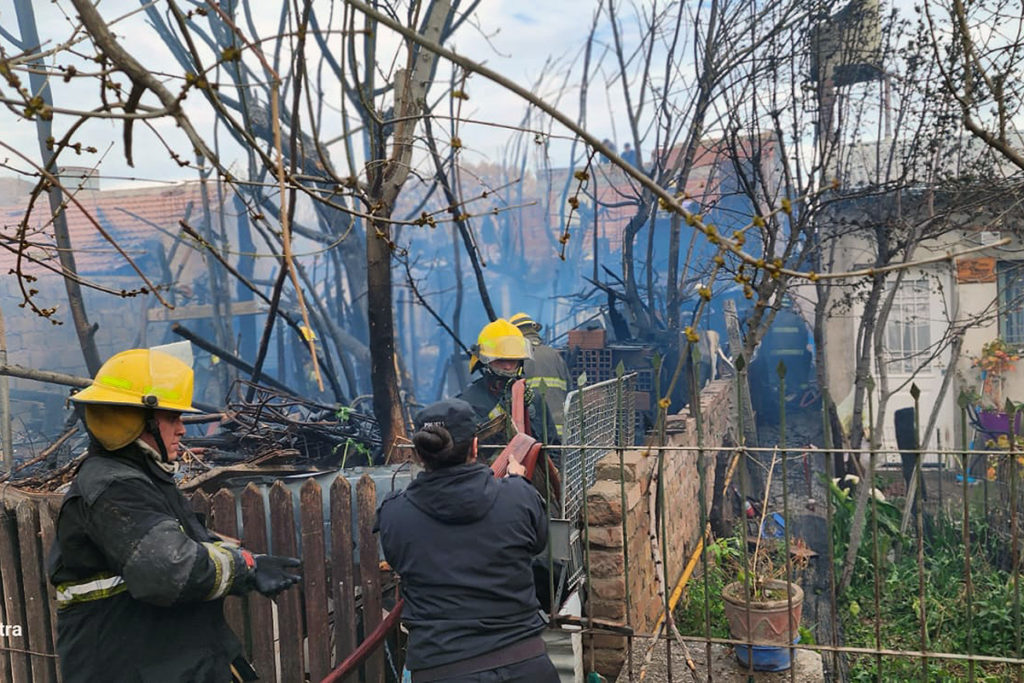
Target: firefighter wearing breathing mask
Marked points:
547	368
498	355
140	581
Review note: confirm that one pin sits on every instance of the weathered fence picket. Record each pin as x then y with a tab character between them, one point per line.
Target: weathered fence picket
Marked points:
369	571
5	660
48	509
201	504
33	575
291	643
343	580
225	521
289	603
261	617
14	599
314	580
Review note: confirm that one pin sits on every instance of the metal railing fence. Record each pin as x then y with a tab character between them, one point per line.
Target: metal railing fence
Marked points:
598	419
908	573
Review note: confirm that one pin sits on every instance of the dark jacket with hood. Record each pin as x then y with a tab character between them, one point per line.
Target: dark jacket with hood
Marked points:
140	580
462	541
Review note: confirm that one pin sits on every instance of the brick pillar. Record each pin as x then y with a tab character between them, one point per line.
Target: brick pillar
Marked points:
610	553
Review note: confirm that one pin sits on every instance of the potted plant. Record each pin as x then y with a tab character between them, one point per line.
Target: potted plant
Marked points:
996	359
764	604
764	608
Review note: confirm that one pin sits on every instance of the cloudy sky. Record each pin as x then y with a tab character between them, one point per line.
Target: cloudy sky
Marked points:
535	43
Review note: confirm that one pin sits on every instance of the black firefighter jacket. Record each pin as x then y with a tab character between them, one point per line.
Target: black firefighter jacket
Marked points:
548	367
140	580
462	541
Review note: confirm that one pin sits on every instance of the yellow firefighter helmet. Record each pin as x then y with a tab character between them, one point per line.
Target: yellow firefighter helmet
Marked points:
499	340
125	386
525	323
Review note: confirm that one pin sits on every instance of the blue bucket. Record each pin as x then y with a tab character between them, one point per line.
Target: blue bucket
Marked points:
766	657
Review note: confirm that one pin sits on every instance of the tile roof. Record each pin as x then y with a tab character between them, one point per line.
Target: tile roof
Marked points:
133	218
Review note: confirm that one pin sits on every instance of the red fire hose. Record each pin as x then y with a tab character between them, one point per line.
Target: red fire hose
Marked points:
369	644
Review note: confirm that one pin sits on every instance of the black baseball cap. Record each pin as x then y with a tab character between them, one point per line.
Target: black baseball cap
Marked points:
454	414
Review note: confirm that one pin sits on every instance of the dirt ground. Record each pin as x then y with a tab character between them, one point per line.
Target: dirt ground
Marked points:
724	667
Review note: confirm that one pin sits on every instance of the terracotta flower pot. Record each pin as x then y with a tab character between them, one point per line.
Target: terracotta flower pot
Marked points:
767	622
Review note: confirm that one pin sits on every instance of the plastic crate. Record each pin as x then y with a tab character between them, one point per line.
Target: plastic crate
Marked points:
597	363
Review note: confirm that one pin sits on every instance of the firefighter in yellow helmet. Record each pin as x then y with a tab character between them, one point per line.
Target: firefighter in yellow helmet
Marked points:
140	580
546	366
498	355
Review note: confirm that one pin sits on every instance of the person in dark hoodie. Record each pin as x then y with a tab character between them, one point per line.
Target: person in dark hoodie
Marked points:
462	543
140	581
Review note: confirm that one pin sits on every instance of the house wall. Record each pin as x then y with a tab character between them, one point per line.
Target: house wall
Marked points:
957	300
840	329
610	553
975	299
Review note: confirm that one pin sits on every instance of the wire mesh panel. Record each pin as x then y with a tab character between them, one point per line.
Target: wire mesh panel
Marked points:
598	418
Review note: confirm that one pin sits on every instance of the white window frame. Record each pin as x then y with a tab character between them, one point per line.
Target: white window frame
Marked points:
908	329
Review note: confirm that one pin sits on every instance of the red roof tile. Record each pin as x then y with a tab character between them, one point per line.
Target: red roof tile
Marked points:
132	218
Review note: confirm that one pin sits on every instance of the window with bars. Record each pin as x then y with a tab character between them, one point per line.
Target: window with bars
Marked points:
1011	301
908	331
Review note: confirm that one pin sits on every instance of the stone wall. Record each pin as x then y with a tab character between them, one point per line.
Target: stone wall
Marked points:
611	569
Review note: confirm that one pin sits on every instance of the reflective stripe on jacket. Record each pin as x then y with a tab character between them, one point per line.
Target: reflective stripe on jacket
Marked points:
98	587
548	366
140	579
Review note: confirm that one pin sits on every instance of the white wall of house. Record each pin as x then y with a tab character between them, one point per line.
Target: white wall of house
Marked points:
922	317
919	318
977	302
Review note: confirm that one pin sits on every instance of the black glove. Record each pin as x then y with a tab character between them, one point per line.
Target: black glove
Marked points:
274	573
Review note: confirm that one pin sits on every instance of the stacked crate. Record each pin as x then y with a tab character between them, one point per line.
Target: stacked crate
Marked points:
644	387
590	356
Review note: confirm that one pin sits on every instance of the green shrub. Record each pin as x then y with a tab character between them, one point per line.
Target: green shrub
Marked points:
990	622
705	591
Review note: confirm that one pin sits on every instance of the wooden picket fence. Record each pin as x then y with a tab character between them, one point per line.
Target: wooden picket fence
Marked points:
316	626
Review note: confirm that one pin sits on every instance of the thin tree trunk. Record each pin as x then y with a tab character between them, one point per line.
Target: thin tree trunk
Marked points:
5	405
386	182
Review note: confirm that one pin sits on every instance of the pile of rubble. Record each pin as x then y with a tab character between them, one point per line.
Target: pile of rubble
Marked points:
264	428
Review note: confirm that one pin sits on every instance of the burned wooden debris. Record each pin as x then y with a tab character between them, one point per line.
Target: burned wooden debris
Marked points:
278	428
275	431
